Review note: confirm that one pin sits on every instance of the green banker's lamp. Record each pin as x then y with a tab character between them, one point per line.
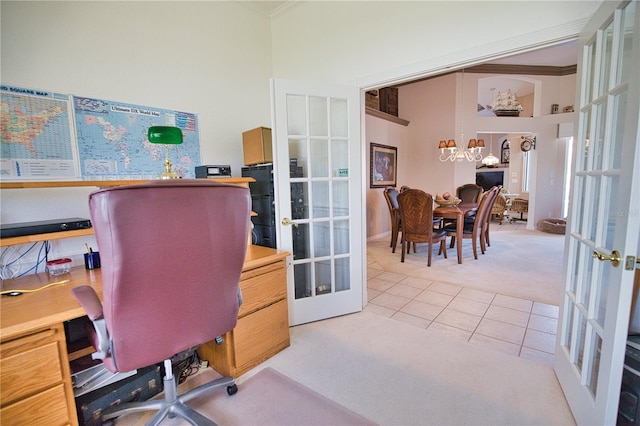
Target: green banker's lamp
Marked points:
166	135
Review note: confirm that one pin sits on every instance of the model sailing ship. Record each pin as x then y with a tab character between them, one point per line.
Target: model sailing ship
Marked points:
506	105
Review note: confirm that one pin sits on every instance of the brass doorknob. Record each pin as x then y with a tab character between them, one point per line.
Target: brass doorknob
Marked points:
614	258
286	221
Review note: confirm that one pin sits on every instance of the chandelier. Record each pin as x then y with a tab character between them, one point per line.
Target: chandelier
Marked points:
472	153
490	160
449	151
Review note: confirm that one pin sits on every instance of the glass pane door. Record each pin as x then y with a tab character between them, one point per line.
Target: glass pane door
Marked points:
598	290
318	144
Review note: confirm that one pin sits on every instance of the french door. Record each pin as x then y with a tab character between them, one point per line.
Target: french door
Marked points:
318	178
604	221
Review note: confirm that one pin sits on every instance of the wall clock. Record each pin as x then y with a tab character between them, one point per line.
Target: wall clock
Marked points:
527	144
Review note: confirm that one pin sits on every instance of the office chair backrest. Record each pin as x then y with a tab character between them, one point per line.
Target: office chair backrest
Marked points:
172	253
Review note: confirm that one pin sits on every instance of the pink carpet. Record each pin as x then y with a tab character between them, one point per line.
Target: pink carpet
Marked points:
270	398
266	398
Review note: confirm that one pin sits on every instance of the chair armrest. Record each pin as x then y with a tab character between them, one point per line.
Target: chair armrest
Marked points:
91	304
89	301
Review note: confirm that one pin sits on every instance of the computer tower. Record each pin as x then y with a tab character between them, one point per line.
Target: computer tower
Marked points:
263	204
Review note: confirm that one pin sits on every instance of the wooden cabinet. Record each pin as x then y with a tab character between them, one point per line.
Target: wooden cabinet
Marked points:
263	322
34	385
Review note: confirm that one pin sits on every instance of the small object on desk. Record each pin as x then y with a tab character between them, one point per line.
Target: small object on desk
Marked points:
92	259
59	266
213	171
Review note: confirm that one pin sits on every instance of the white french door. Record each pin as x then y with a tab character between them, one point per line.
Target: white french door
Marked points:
318	178
604	220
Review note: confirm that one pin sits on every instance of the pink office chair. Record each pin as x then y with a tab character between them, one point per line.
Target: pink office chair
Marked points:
172	252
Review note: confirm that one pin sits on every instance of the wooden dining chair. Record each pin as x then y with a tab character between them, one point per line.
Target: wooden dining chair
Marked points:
416	214
495	194
474	230
391	197
469	192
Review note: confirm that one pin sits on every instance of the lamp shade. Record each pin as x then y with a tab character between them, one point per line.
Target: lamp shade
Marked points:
167	135
472	144
480	143
442	145
451	143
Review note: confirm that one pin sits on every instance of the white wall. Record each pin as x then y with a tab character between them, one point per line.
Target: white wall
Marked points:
210	58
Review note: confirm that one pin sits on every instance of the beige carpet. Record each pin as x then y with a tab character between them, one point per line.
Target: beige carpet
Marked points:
390	373
397	374
520	263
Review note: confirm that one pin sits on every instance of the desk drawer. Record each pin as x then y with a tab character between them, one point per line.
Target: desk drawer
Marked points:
29	365
261	335
46	408
262	287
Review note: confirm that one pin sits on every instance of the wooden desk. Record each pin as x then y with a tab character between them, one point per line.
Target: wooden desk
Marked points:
458	213
36	384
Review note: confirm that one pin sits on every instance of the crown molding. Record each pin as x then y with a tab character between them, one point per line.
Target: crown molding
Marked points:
523	69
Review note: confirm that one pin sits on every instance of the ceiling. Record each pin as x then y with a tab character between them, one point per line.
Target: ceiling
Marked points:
560	55
266	6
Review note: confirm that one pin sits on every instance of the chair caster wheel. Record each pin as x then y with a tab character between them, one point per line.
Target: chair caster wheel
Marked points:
232	389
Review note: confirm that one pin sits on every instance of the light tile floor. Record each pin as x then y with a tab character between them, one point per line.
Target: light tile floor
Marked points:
516	326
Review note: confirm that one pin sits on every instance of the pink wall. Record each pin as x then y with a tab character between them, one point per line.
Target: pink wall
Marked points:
384	132
434	108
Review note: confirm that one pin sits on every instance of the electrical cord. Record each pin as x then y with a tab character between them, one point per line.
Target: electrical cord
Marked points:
186	368
13	267
17	292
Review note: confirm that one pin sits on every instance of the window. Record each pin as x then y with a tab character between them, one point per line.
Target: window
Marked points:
526	171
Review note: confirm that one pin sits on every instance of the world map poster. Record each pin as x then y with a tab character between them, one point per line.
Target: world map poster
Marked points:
48	135
112	140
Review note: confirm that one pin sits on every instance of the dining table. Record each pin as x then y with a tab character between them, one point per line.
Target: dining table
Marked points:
457	212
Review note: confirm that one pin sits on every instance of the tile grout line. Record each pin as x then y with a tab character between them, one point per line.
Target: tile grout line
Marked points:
491	303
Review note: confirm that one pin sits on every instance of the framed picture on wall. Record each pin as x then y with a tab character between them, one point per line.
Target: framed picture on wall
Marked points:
506	152
383	167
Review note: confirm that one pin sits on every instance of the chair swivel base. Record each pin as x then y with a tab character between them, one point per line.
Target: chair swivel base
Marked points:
173	405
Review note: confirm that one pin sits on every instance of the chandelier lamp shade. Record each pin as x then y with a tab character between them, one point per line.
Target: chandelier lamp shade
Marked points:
449	151
490	160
